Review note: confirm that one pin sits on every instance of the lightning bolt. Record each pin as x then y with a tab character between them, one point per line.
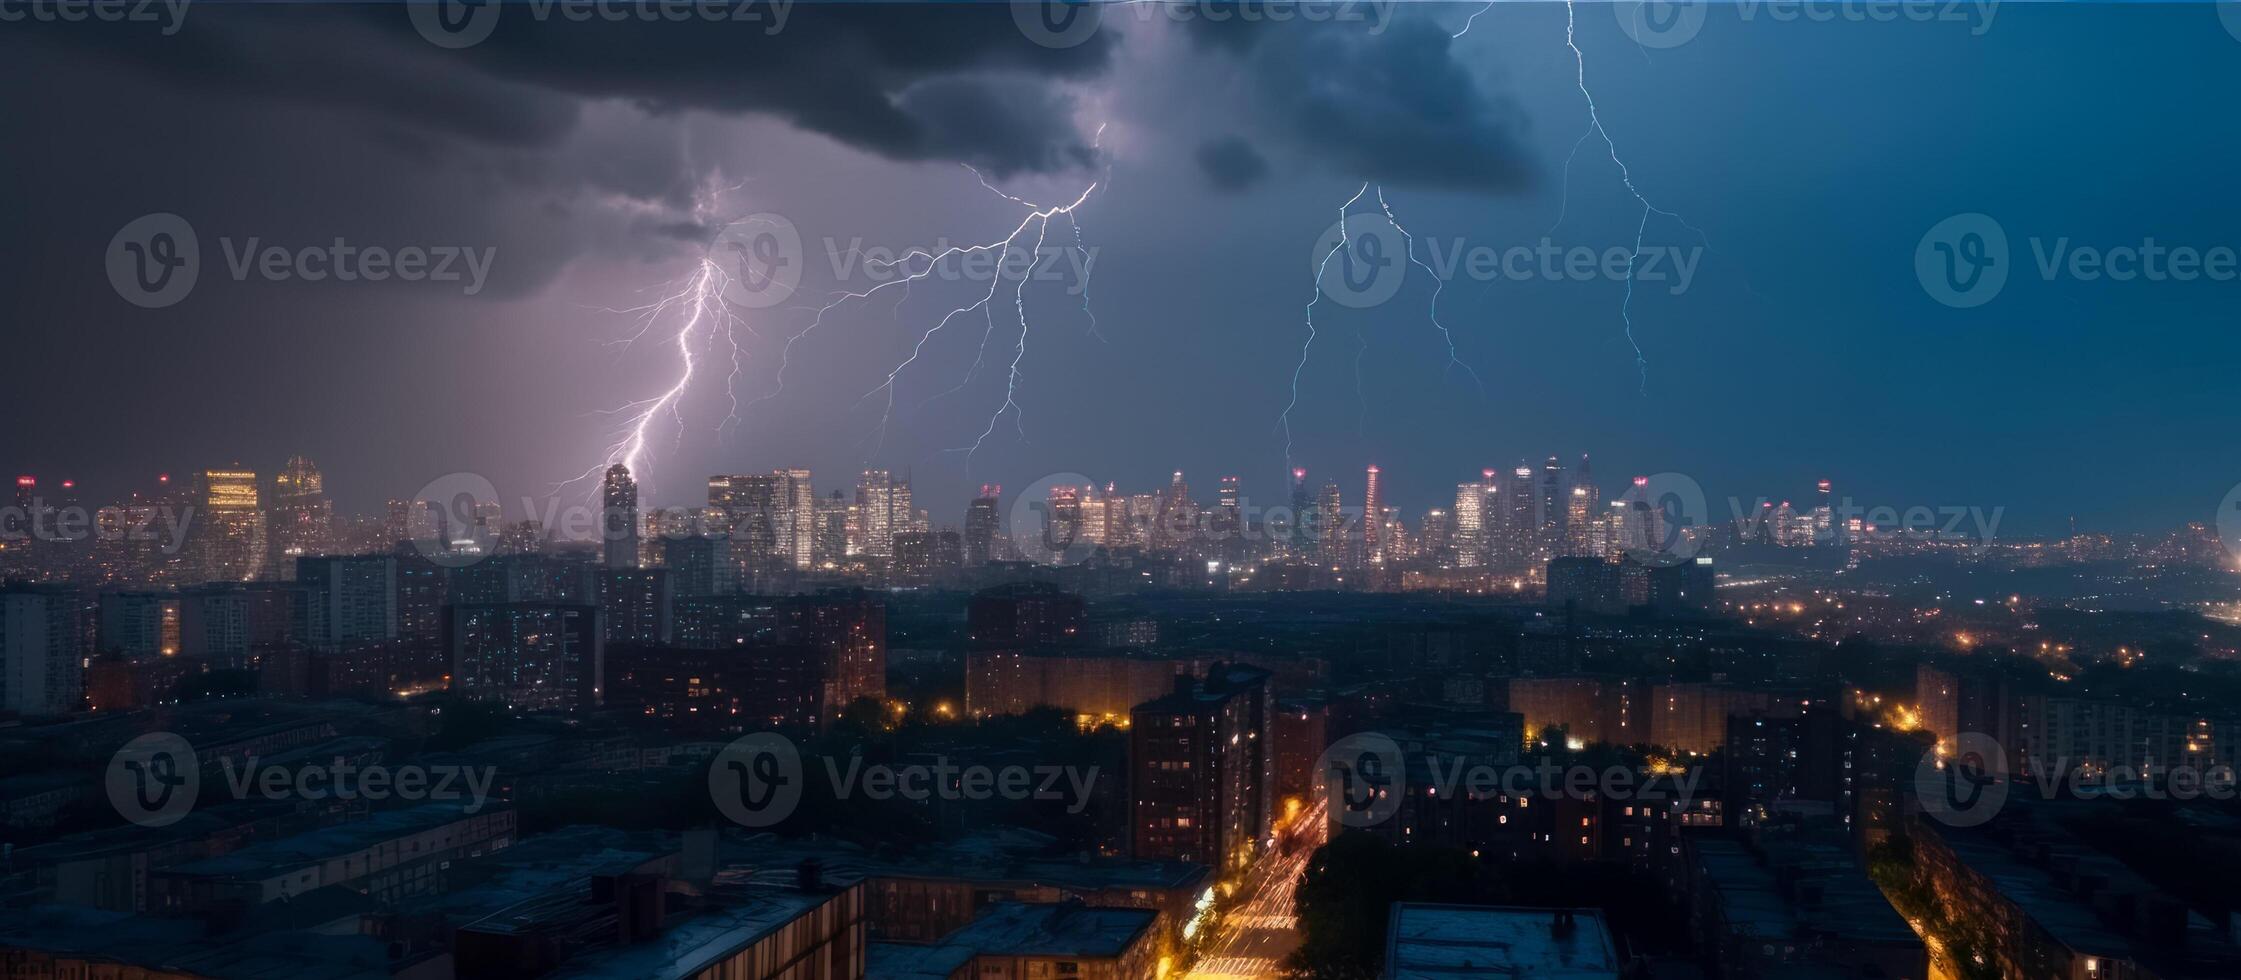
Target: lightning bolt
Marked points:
693	306
919	264
1454	358
1626	176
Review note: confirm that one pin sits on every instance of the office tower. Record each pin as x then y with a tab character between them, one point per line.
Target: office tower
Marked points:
528	656
230	545
1471	523
396	520
618	517
302	519
1330	520
1143	516
700	564
1303	540
19	540
1373	521
347	600
1097	516
1229	514
980	526
1202	771
882	507
1177	516
1825	530
798	518
1554	510
752	508
635	603
41	663
1584	514
831	546
1437	538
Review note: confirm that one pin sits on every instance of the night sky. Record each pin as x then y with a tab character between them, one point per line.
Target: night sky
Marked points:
599	160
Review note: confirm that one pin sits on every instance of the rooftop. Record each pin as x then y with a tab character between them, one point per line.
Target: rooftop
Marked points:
1438	942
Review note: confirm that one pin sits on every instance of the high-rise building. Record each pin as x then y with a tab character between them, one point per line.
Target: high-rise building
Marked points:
1330	523
41	663
1177	516
1584	514
1471	523
302	519
752	509
1555	511
883	506
1202	769
700	564
1373	521
832	532
798	518
618	521
1229	513
231	543
634	603
138	624
1303	533
980	526
347	600
528	656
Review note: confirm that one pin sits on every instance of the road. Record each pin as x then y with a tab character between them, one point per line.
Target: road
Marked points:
1260	931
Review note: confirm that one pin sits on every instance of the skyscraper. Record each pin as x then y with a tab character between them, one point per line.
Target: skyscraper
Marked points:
618	500
40	661
1555	510
980	526
1330	519
754	509
1373	522
302	519
883	507
1302	535
1584	513
798	513
231	546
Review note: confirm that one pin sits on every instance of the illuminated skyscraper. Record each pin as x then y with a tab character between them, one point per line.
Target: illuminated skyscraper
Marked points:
1097	516
1470	537
832	531
1229	516
883	507
1177	516
302	519
1583	512
1330	522
980	526
752	509
1373	522
231	545
1302	535
798	515
618	509
1554	511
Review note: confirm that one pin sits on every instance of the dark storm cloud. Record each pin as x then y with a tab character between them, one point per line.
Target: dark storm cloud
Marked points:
998	125
1231	164
1394	104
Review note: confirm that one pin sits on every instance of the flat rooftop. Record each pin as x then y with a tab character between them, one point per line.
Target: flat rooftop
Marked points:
1440	942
